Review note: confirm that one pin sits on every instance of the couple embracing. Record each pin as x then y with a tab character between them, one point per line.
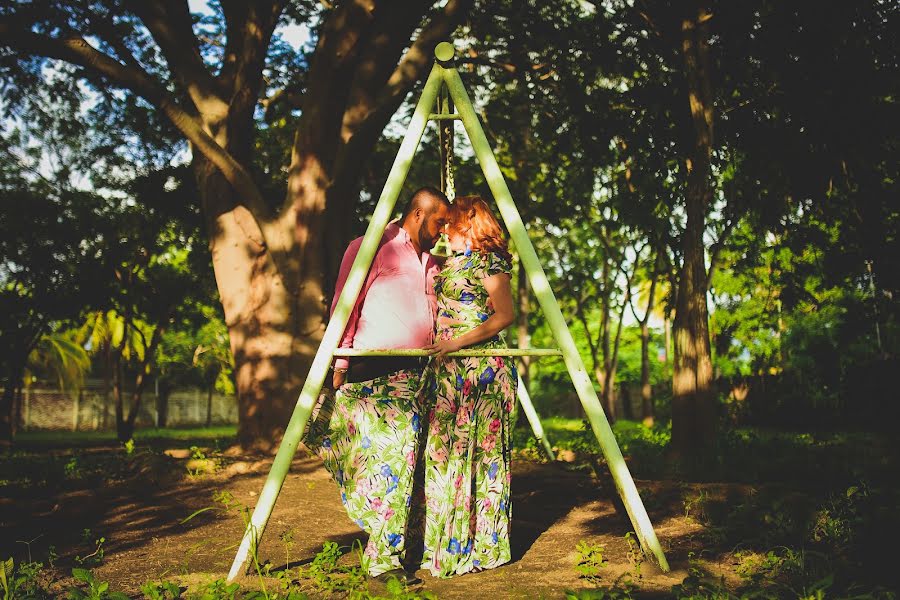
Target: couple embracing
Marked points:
421	448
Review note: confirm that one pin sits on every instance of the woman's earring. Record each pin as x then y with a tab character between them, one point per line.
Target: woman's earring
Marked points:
468	248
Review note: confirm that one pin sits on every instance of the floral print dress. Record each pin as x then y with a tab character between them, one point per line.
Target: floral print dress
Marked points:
368	441
467	453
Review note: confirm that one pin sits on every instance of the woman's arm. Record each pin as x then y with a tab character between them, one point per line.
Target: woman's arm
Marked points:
500	294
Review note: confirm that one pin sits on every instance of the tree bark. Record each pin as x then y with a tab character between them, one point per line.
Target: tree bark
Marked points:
693	402
524	340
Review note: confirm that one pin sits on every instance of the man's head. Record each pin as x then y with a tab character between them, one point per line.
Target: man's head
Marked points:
425	216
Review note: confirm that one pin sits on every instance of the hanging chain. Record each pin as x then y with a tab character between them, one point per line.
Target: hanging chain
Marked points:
445	135
449	186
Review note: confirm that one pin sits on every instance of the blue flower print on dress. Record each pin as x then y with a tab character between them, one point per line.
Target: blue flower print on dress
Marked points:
494	537
486	376
326	443
394	538
386	470
492	471
459	381
366	442
414	423
453	546
467	298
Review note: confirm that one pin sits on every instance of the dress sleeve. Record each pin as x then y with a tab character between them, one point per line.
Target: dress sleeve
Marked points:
496	264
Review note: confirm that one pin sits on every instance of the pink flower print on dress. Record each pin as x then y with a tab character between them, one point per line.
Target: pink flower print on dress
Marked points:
490	440
457	481
371	551
487	503
467	387
411	458
376	503
390	415
439	455
459	447
388	513
494	427
462	417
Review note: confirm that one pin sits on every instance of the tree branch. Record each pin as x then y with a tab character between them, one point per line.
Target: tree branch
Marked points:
78	51
169	22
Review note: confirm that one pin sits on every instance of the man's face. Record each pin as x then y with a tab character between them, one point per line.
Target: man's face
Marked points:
431	227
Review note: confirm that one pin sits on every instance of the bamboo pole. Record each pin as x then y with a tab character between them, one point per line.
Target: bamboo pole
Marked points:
538	279
533	419
319	368
464	352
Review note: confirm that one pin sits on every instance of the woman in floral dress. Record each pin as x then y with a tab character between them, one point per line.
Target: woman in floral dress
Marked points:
467	454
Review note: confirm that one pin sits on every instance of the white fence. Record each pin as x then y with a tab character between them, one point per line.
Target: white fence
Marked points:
92	408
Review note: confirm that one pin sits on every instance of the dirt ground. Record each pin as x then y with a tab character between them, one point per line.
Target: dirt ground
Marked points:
141	518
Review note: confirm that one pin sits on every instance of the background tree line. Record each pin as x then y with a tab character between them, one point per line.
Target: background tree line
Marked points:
706	182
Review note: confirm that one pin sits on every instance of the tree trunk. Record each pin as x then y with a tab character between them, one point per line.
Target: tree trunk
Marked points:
162	406
646	389
7	406
272	349
693	403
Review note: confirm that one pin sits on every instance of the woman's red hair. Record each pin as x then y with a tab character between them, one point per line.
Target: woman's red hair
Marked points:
471	216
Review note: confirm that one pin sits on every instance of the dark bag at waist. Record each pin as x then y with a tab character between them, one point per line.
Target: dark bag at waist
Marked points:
366	368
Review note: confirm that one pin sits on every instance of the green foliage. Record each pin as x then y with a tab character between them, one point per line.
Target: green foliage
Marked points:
96	590
22	581
589	560
161	590
95	558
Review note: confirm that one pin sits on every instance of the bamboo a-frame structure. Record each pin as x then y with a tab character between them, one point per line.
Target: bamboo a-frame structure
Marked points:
444	74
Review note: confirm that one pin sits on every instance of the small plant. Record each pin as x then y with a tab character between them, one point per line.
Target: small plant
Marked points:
635	554
96	590
218	590
72	469
287	540
128	447
95	558
22	582
161	590
590	560
329	577
695	506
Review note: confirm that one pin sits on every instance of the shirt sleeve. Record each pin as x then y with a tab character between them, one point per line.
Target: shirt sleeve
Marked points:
353	321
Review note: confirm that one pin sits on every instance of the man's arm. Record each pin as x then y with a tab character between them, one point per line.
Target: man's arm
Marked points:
341	364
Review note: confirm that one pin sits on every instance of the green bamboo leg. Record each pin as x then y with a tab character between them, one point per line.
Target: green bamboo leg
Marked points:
319	368
464	352
617	467
533	419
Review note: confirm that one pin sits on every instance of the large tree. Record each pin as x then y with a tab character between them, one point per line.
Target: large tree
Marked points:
270	255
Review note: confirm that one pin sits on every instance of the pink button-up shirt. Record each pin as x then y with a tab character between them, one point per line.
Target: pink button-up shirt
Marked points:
396	304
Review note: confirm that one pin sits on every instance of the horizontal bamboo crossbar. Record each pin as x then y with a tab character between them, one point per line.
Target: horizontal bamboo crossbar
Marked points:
444	117
467	352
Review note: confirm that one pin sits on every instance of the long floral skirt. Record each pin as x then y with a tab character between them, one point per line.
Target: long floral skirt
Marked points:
467	466
369	446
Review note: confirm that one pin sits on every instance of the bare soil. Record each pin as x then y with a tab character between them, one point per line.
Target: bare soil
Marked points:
142	518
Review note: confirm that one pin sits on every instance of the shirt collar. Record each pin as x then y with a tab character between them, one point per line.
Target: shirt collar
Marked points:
395	230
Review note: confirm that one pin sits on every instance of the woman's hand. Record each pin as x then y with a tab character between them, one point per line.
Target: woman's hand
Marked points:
442	347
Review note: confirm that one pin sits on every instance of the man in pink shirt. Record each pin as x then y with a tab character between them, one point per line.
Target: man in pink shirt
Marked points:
372	441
